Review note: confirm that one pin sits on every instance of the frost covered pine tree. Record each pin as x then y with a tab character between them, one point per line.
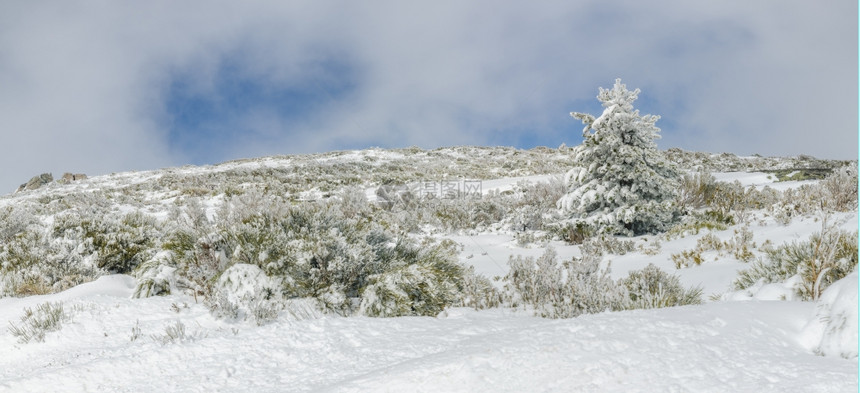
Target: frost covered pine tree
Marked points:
622	183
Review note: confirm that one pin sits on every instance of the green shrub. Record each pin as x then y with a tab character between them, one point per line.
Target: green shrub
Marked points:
719	217
485	212
449	214
126	244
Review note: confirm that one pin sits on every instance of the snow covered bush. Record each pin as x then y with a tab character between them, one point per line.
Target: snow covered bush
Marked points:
34	263
687	258
155	277
694	223
832	330
589	289
534	205
434	281
198	257
740	247
313	247
623	184
816	263
741	244
840	189
16	219
837	192
394	194
542	194
654	288
176	333
695	191
336	252
532	281
485	212
479	292
529	218
47	317
605	244
20	257
572	233
244	292
566	290
124	244
119	244
731	202
192	252
448	214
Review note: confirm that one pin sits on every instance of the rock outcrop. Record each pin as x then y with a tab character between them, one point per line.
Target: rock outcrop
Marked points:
45	178
36	182
70	177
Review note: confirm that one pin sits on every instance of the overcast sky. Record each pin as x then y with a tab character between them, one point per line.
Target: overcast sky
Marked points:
108	86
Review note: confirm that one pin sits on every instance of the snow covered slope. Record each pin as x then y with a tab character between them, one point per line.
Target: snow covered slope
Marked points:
718	347
738	341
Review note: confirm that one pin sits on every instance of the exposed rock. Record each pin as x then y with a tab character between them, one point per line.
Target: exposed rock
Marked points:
36	182
70	177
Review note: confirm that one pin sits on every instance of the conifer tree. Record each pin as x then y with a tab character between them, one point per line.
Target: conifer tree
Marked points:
622	184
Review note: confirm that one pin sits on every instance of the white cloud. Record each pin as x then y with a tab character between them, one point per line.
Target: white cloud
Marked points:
84	86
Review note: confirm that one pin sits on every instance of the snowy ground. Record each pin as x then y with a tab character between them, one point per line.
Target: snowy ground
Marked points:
718	347
489	253
115	343
759	180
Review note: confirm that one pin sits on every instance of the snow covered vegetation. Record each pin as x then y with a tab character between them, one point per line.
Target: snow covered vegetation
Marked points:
622	184
610	266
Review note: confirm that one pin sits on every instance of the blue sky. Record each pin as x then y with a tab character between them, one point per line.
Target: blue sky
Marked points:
116	86
205	124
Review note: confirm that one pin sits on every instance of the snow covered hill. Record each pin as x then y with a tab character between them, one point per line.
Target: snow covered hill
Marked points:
718	347
217	322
